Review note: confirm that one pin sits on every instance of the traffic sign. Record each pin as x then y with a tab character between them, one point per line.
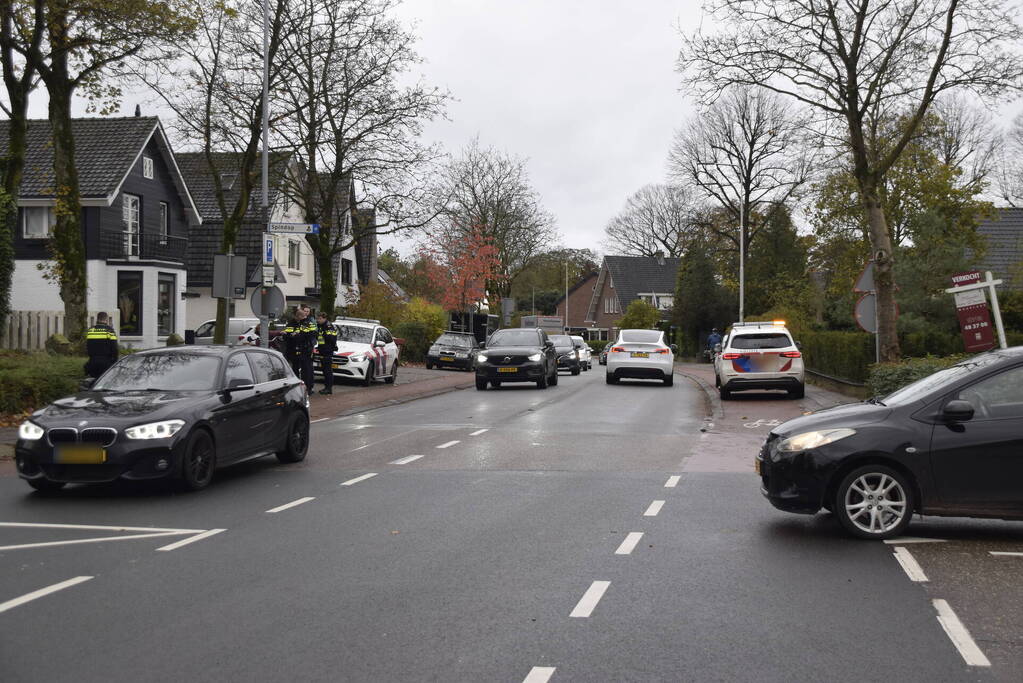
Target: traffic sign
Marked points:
269	273
866	313
301	228
865	282
275	303
268	249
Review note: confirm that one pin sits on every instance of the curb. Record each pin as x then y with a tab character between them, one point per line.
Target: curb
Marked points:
713	401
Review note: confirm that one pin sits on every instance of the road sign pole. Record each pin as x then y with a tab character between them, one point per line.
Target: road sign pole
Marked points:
995	310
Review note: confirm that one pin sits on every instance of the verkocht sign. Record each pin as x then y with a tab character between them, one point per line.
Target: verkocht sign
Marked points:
973	314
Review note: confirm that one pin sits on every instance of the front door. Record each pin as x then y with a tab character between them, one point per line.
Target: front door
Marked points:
238	416
980	462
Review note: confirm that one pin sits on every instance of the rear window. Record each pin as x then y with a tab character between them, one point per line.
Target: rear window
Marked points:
766	340
642	336
561	339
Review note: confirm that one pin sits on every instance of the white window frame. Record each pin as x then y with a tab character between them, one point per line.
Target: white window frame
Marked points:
295	248
48	215
131	237
147	167
164	226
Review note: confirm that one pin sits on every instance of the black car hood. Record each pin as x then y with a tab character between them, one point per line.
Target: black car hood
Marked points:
99	406
511	350
847	415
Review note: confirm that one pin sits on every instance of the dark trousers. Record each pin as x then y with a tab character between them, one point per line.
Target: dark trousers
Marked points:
328	371
303	367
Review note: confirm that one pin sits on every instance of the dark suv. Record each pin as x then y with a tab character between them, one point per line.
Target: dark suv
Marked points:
568	356
453	349
517	355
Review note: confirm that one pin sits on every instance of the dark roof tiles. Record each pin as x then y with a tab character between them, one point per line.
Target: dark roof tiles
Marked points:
1004	256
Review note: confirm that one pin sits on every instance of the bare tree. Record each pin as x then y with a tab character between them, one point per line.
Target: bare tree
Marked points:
746	153
355	124
858	64
490	190
964	137
657	218
1007	185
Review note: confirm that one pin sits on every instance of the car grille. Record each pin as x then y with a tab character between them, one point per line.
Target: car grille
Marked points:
62	435
100	436
512	360
341	360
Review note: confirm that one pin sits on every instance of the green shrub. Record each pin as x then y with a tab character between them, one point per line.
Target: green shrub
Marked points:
596	345
884	378
417	337
174	340
30	381
846	355
59	345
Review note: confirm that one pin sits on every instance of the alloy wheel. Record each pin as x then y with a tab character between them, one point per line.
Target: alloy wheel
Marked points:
875	503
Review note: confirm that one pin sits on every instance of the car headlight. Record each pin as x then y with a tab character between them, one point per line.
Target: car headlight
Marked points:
481	358
155	430
810	440
535	357
30	431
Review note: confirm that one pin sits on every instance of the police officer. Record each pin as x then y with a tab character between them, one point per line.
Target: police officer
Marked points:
101	346
326	345
300	338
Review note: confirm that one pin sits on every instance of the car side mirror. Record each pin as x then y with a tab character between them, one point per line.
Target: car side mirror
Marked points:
674	348
86	383
483	345
717	348
379	343
957	410
799	345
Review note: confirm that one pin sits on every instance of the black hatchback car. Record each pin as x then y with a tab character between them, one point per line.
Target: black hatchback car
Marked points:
176	412
950	444
517	355
453	349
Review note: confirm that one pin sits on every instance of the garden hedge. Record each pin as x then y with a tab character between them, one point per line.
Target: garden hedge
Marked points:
417	336
31	380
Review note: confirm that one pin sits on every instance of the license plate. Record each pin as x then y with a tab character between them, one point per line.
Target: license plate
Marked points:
336	366
507	369
640	354
79	455
447	359
756	465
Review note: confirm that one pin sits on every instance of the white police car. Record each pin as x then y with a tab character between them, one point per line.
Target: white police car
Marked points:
759	355
366	351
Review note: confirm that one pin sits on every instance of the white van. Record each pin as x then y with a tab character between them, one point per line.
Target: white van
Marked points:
237	329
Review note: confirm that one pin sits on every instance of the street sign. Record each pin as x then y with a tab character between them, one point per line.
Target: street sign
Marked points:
269	276
866	313
275	303
268	249
301	228
865	282
228	276
973	313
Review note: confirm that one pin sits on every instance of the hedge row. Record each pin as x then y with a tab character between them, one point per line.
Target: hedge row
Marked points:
885	378
31	380
846	355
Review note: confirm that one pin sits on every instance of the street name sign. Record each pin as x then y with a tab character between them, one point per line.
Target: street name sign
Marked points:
299	228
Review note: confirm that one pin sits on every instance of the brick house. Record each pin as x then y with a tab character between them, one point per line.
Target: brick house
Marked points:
622	280
579	296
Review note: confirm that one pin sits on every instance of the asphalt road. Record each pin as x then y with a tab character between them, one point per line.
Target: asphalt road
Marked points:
607	533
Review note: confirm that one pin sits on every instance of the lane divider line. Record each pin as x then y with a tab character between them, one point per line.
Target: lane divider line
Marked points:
960	637
913	539
539	674
909	565
312	422
193	539
358	479
654	508
672	482
34	595
40	525
406	460
590	599
629	544
449	444
477	433
1000	553
291	504
79	541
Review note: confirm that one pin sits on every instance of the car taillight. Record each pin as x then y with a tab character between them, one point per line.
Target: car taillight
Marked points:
662	351
731	356
791	354
617	349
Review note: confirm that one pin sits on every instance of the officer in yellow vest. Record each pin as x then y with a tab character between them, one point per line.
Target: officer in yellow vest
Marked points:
300	337
101	346
326	345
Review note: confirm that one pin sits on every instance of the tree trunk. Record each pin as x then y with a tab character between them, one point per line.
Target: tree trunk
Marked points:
884	273
13	166
328	284
228	238
68	243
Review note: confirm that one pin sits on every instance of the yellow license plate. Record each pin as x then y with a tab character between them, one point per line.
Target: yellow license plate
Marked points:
336	366
507	369
640	354
79	455
756	465
447	359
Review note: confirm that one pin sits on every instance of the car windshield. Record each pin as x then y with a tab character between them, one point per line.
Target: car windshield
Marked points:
767	340
642	336
935	382
561	340
515	338
459	340
354	333
163	372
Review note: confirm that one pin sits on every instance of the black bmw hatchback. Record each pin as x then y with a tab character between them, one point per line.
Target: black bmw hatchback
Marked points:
950	444
177	412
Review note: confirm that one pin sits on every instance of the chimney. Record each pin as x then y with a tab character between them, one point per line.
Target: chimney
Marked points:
138	110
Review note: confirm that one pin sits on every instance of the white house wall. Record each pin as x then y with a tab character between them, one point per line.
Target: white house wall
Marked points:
30	291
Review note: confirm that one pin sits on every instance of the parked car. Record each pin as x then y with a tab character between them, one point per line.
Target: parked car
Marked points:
641	354
174	412
523	354
453	349
585	352
946	445
759	355
366	351
238	330
567	353
603	354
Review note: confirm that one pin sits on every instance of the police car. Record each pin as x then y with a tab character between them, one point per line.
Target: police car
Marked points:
366	351
759	355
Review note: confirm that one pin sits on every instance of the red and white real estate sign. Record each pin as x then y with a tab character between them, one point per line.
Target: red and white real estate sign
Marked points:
972	311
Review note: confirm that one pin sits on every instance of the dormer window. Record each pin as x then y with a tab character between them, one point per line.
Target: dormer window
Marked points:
147	168
227	180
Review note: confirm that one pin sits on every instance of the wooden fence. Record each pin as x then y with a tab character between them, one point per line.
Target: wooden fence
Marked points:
29	330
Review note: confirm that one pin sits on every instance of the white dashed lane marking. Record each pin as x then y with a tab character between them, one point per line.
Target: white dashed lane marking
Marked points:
629	544
358	479
292	504
539	674
960	637
406	460
909	565
654	508
999	553
193	539
672	482
42	592
319	420
477	433
449	444
590	599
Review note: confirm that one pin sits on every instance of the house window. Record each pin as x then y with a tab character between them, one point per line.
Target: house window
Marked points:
346	271
129	302
165	290
294	256
665	302
38	222
130	217
147	168
227	180
164	218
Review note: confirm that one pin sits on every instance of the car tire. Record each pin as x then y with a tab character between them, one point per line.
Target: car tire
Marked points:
669	380
543	382
199	461
799	392
390	379
724	393
553	381
576	370
869	484
429	366
370	371
481	384
297	444
610	379
46	485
